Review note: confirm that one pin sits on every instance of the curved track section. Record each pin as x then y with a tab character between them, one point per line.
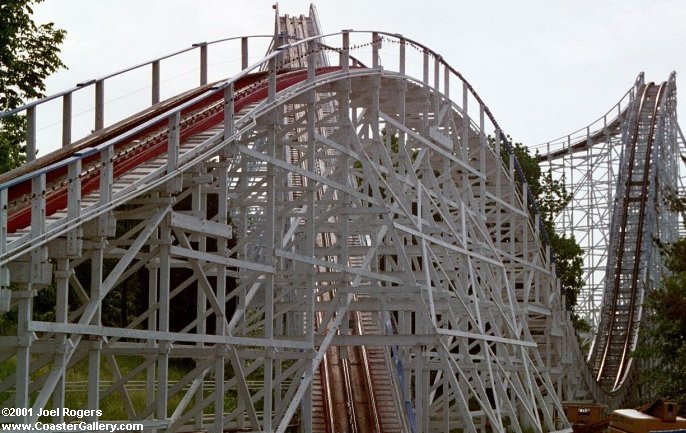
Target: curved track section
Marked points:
629	254
285	216
643	178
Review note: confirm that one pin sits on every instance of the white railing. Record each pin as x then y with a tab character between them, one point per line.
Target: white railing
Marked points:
96	102
594	128
412	57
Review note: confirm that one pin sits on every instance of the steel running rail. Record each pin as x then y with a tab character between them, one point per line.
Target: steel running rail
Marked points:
640	119
345	383
647	111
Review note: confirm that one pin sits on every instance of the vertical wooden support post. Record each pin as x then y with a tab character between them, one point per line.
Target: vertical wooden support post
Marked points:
271	92
93	391
425	258
402	135
30	134
376	44
446	82
66	120
38	255
483	144
310	237
344	58
590	186
155	82
25	307
151	394
203	63
270	259
163	318
437	88
106	179
570	179
24	316
199	210
222	250
97	255
419	397
465	120
99	105
74	208
498	191
311	62
425	68
244	53
174	184
376	136
401	56
427	95
229	116
61	316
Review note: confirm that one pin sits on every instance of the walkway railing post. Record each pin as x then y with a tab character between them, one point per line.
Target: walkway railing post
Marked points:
66	120
344	58
74	208
271	91
155	82
437	84
311	59
425	68
229	120
30	134
99	105
174	184
446	82
401	66
203	63
106	179
244	53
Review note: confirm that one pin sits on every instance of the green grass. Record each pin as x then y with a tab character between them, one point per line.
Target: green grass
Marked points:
113	406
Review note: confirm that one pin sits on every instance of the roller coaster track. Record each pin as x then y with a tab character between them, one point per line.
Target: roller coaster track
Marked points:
351	384
624	305
645	179
348	235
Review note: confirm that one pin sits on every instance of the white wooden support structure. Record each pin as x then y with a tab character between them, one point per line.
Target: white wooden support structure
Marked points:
298	242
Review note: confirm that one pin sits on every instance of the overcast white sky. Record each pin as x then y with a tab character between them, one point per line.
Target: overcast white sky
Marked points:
544	68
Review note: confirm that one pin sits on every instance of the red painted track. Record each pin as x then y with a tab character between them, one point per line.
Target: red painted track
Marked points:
153	142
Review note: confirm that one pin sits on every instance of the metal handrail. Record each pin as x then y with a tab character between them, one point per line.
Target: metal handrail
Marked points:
88	83
227	86
587	130
222	86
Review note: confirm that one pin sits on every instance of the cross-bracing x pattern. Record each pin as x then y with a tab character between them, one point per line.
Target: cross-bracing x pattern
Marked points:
590	178
366	195
414	213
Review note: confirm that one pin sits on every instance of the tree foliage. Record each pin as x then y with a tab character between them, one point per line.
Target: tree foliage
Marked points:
663	342
29	53
552	196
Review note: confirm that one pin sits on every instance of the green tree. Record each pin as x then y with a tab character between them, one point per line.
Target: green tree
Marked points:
28	55
552	196
663	342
